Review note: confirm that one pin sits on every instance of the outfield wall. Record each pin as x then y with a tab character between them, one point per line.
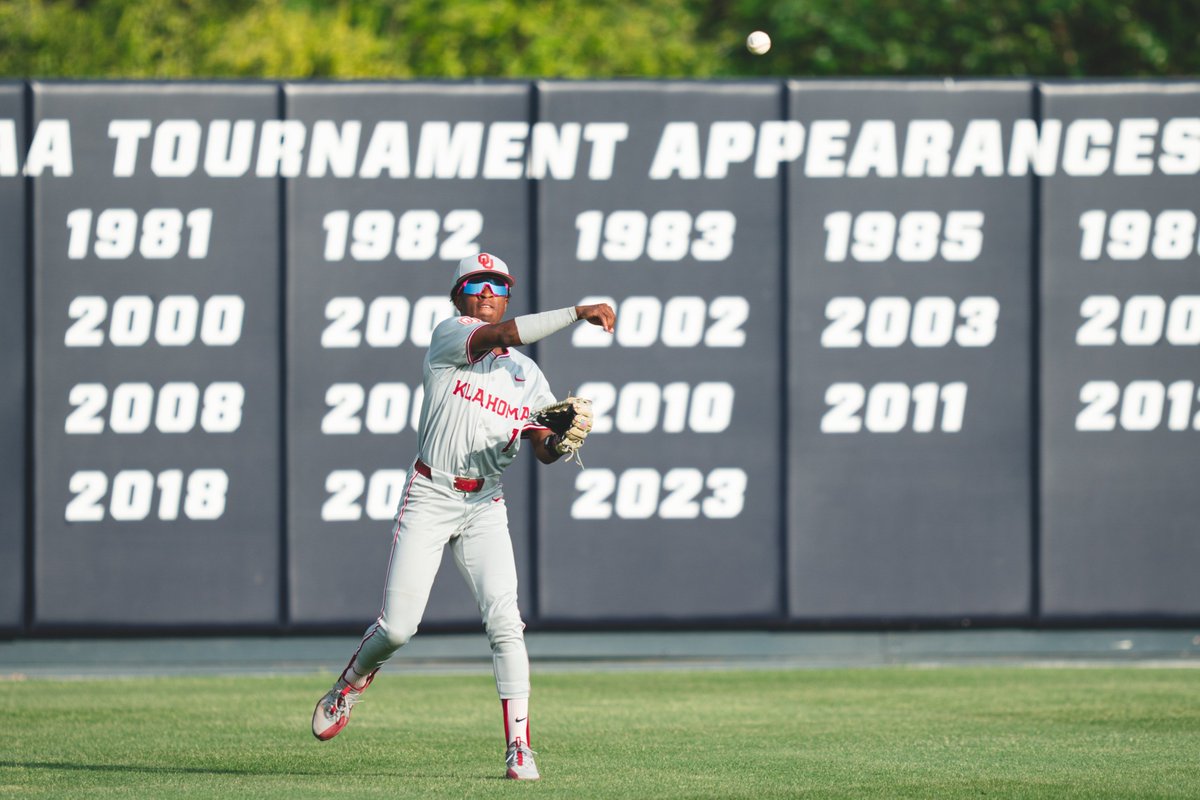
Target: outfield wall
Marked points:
902	352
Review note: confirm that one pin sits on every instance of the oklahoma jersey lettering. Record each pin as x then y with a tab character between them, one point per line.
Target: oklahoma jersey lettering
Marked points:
475	411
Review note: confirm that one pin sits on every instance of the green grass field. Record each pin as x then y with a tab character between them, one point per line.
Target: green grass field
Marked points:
853	733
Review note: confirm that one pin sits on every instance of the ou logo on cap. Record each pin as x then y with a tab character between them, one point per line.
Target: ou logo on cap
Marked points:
485	260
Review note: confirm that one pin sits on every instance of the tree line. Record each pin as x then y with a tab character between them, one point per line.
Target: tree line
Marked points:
596	38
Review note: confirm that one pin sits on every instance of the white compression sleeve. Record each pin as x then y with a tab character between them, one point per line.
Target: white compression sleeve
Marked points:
532	327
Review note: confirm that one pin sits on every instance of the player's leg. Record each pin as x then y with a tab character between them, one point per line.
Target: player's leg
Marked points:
426	521
484	556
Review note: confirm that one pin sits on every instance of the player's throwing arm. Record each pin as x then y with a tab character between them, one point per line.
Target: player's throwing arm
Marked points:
535	327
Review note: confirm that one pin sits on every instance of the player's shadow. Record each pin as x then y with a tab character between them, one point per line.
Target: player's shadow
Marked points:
150	768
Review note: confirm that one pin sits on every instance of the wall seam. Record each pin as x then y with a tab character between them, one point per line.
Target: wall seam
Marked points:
534	494
283	614
784	332
29	562
1035	375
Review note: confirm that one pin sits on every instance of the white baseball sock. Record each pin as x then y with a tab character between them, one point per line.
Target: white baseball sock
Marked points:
352	677
516	720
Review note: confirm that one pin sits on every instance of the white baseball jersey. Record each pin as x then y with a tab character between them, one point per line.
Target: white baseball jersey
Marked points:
475	409
472	418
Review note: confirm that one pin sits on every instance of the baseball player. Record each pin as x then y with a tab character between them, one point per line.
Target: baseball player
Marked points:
479	393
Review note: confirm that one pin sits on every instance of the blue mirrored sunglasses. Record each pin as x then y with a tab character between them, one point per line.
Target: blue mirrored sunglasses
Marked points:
476	287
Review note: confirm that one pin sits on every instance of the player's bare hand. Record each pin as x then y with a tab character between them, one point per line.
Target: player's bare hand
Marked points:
601	314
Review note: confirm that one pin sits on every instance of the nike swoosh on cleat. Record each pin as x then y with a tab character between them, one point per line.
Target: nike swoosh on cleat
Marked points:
522	719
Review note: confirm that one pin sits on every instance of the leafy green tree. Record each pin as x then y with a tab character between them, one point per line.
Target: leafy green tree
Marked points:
367	39
552	38
988	38
180	39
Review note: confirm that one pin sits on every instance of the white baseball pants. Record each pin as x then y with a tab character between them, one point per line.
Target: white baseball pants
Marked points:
476	527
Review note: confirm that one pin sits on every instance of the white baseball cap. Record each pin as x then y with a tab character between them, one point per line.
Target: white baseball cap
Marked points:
482	264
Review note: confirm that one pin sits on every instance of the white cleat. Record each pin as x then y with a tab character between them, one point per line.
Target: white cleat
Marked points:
333	710
519	760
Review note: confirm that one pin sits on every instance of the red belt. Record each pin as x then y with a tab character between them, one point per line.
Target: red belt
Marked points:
461	484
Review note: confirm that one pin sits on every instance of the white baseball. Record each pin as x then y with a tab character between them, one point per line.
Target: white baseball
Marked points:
758	43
